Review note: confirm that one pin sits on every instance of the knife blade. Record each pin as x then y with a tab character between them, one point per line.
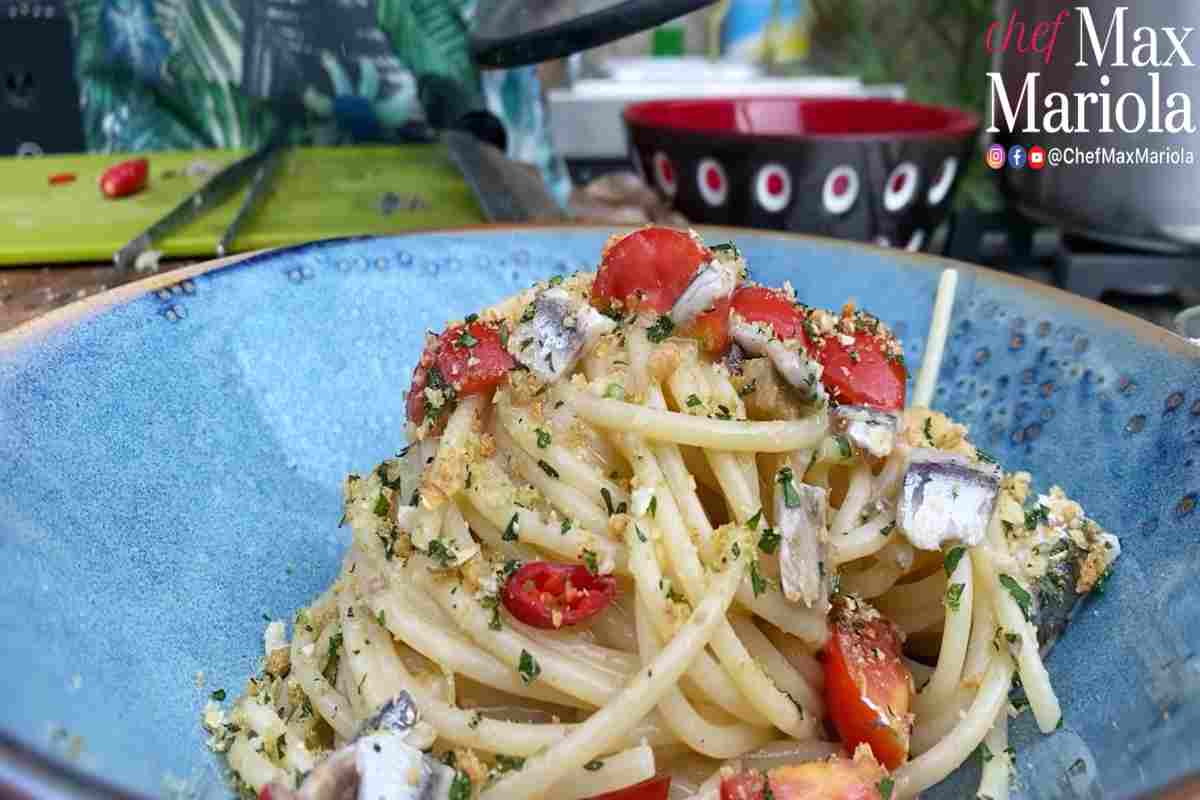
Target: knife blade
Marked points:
506	190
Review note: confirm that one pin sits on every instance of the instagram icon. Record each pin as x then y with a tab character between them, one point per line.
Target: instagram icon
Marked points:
995	156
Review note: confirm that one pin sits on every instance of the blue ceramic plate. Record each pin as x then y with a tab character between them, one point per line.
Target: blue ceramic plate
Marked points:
171	454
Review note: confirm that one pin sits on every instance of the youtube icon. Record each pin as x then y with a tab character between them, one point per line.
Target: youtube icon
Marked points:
1037	157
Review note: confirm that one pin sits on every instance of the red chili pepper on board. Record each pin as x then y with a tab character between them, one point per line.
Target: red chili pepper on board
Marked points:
548	595
126	178
59	178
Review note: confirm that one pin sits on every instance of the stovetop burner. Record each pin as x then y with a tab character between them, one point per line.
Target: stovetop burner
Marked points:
1151	285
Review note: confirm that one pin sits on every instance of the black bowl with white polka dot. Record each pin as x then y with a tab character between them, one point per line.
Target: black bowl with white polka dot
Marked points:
869	169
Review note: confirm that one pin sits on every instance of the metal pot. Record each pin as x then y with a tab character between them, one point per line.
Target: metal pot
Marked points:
1145	205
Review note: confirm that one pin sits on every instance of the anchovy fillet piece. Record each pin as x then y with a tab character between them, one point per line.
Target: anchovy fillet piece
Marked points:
946	498
802	373
715	281
801	512
561	330
869	429
382	761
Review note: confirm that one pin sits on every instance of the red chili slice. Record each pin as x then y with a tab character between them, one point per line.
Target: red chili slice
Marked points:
656	788
126	178
648	269
549	595
770	306
469	359
861	373
60	178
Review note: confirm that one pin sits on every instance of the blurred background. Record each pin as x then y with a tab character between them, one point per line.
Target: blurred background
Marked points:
270	122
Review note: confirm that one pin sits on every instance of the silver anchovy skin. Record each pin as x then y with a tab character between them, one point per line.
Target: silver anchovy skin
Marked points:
561	330
378	764
946	497
870	429
794	366
715	281
804	544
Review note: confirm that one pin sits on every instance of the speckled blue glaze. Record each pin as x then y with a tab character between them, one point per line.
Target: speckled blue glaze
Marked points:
170	468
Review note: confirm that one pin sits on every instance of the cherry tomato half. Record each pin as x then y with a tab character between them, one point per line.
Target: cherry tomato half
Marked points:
832	779
744	785
867	686
469	359
647	269
861	373
656	788
711	328
548	595
770	306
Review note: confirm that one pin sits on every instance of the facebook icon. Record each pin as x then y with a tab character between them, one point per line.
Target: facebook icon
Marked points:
1016	157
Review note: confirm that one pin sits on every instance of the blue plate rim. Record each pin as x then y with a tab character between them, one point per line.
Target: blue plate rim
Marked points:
34	329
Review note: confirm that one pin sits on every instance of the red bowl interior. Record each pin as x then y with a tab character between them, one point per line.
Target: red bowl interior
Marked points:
804	117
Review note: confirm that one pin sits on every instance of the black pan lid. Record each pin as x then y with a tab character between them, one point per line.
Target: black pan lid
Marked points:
512	33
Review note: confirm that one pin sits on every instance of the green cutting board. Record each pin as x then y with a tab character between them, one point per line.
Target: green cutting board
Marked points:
317	193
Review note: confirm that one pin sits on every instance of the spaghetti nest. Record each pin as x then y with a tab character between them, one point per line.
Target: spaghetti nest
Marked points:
663	551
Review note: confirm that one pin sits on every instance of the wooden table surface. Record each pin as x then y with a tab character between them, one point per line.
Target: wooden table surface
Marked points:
26	293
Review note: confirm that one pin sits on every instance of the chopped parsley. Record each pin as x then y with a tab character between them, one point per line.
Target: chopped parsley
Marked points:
465	339
954	596
1023	598
510	566
1036	515
928	429
608	503
1102	582
492	603
985	752
470	318
218	695
564	526
442	553
723	412
382	506
509	763
589	560
511	529
546	468
638	530
527	314
331	667
784	479
887	529
885	786
652	509
757	581
528	667
693	401
661	329
381	618
749	388
593	765
752	523
460	787
953	556
555	280
726	248
985	456
844	446
736	550
769	541
614	391
543	438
